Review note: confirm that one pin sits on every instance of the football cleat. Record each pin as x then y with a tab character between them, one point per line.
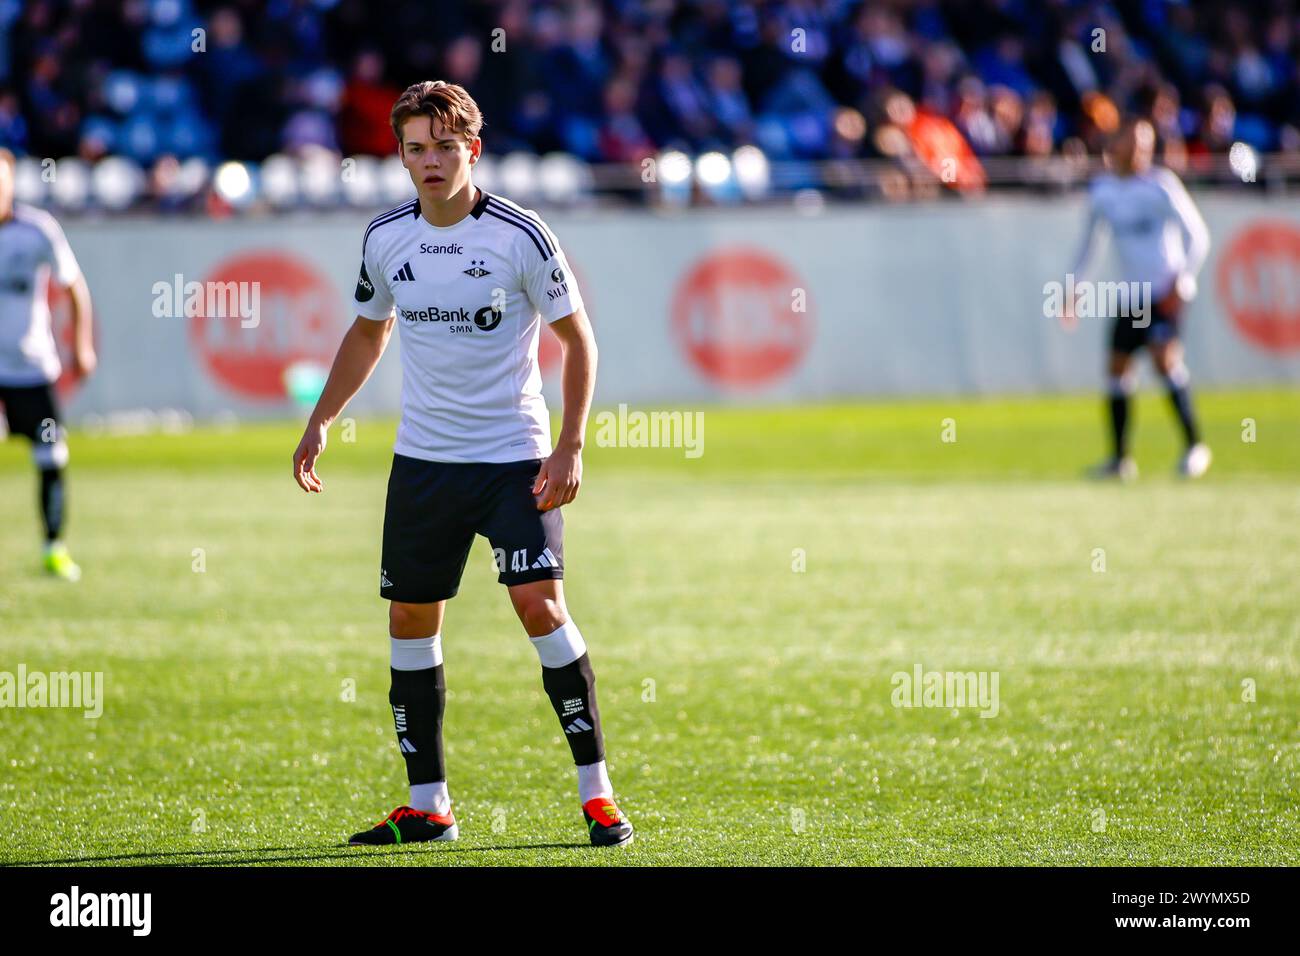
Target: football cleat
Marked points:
408	825
1122	469
59	563
1195	461
605	824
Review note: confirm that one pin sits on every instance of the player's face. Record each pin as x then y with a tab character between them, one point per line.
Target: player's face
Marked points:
437	158
1135	147
1144	146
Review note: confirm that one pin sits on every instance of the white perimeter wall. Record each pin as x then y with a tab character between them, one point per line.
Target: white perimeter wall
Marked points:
704	306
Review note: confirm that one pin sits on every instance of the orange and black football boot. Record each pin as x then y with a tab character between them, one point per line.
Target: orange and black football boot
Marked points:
605	824
407	825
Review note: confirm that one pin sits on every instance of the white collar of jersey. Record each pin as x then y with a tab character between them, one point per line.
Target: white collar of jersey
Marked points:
475	214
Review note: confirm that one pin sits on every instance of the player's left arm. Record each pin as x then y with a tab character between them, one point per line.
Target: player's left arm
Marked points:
1196	234
66	273
83	353
561	473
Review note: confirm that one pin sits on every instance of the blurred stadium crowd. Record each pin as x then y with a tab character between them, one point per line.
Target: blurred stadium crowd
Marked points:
799	82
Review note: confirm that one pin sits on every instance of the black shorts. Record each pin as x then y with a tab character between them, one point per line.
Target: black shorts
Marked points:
434	510
1127	338
31	411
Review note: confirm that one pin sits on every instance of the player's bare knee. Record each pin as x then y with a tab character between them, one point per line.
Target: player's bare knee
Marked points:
1169	361
540	615
412	620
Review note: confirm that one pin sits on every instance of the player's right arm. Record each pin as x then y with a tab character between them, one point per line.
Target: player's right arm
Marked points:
1195	233
362	348
1087	246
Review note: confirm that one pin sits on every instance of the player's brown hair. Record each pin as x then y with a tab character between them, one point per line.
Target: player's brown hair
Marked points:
440	100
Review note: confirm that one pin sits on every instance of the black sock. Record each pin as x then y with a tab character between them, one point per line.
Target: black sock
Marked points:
52	502
572	689
419	699
1119	403
1181	398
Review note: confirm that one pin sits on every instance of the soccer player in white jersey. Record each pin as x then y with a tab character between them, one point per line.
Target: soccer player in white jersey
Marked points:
1162	243
34	252
467	278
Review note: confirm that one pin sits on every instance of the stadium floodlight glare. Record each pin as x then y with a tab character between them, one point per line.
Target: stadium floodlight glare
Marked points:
752	171
674	176
713	169
1243	161
563	178
280	180
234	183
117	182
518	175
395	182
71	185
674	168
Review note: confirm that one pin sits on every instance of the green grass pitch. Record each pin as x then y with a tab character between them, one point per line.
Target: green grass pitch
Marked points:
747	703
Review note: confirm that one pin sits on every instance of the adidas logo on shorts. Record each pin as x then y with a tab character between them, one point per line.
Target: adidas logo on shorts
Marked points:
546	560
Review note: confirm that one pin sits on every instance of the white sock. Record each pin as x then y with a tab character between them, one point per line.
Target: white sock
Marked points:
564	645
593	782
431	797
415	654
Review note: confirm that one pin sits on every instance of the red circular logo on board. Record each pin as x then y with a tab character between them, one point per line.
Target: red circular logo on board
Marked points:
1259	285
297	319
742	318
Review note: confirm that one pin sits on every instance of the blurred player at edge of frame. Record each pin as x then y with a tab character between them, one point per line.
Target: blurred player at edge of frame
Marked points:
33	250
1161	239
468	277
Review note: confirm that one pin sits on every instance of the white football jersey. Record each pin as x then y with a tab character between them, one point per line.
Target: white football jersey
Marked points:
469	299
32	247
1158	232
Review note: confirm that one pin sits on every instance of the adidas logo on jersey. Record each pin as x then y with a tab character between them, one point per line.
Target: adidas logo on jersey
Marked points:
546	560
383	579
407	746
476	269
404	274
577	727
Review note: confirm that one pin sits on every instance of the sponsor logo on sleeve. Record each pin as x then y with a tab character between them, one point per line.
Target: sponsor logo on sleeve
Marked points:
365	288
561	286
